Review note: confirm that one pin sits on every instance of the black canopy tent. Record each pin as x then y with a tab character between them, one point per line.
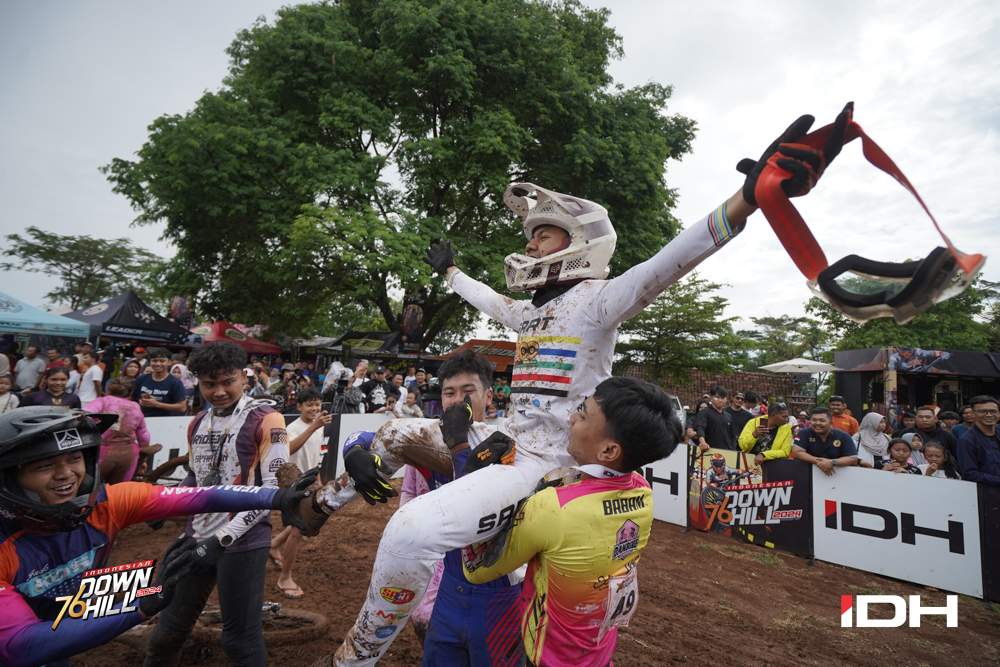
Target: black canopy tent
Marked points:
127	316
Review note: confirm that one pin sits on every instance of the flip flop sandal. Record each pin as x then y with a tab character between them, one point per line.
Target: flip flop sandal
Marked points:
292	593
277	561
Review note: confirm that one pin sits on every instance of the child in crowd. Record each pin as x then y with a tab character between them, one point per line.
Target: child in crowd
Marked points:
389	407
305	443
899	454
917	447
582	541
71	365
8	399
55	393
411	409
939	461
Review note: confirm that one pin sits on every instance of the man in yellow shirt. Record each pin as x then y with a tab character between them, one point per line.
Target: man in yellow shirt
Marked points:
769	436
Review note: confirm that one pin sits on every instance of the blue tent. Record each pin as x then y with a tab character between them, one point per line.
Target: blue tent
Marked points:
18	317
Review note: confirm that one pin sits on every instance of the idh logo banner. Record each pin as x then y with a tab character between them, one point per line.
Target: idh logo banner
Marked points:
916	610
849	517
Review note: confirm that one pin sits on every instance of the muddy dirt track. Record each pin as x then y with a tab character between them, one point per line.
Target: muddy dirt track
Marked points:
705	600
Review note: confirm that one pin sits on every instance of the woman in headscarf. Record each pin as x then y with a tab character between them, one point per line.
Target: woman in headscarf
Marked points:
916	448
131	370
181	372
872	443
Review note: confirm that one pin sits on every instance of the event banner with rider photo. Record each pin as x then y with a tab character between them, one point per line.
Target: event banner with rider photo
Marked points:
731	495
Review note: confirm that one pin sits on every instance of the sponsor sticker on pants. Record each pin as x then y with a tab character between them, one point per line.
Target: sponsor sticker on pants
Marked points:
396	595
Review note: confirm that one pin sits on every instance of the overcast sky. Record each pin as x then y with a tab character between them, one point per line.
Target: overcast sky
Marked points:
81	81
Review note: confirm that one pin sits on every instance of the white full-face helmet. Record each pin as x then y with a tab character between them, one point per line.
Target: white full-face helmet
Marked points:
591	240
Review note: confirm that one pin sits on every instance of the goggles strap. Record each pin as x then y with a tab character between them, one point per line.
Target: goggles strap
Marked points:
792	230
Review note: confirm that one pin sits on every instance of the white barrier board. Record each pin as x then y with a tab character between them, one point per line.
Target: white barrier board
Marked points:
668	479
910	527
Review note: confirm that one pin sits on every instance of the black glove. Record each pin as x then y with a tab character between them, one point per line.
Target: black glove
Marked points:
455	423
288	499
363	468
440	256
206	554
498	448
175	564
805	165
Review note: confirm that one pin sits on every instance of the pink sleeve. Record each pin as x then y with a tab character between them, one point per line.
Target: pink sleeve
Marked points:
96	405
414	485
141	432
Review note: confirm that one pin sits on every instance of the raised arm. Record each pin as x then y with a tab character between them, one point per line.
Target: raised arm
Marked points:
441	257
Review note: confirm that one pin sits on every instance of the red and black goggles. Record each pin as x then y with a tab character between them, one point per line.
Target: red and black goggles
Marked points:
917	286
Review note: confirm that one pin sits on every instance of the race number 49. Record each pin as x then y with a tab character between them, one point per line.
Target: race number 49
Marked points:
847	620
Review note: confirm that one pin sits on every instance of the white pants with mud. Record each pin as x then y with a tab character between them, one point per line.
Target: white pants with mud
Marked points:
468	510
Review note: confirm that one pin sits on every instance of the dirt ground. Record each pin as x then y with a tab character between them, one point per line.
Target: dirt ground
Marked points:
704	599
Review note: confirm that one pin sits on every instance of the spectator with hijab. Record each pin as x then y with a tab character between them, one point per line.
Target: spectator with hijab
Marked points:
120	450
131	370
871	441
916	443
187	378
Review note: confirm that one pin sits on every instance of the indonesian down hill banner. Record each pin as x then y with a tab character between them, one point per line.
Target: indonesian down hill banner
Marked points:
764	505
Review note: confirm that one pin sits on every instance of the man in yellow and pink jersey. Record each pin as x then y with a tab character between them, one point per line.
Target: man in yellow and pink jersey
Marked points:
582	540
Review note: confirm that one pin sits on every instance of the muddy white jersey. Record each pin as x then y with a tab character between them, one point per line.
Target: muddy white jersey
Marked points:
565	346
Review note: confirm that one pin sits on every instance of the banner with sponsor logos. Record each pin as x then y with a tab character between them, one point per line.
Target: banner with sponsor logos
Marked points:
909	527
767	505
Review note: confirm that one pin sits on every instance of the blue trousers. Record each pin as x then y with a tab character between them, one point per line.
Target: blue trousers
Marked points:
474	626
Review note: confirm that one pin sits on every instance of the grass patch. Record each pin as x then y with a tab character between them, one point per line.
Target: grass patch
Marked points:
789	623
930	646
768	559
736	550
705	547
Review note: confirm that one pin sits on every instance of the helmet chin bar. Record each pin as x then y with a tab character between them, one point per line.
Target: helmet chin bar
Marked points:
528	273
589	245
934	279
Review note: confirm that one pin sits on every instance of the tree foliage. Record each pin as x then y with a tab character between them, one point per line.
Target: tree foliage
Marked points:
683	329
89	269
349	135
784	337
954	324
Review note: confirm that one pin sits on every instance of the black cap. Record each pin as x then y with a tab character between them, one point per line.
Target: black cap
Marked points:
379	369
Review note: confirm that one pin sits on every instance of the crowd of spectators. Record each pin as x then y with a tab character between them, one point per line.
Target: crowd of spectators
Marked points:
929	442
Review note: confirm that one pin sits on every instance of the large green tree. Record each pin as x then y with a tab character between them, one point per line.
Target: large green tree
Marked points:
89	269
348	135
683	329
